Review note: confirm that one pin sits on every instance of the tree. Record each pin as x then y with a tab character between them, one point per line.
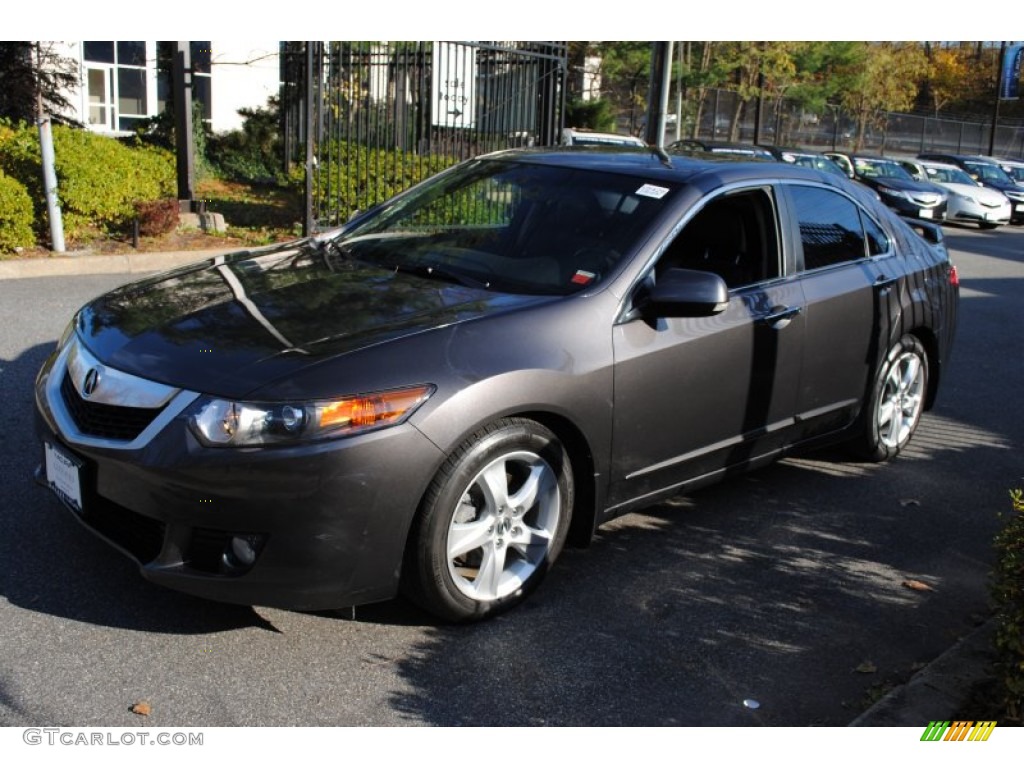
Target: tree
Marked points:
33	70
887	80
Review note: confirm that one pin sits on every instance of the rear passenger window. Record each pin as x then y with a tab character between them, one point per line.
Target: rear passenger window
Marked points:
831	228
878	241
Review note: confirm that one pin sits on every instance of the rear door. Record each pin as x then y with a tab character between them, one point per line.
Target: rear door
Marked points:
848	277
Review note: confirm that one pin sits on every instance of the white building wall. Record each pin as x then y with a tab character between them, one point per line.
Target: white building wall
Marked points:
243	75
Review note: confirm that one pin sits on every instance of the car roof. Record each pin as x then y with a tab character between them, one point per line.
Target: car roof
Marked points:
936	164
648	162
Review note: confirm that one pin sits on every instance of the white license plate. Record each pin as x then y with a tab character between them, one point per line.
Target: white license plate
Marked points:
926	213
1019	207
62	474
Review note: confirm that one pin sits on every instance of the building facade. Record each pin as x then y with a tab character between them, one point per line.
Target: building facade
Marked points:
125	82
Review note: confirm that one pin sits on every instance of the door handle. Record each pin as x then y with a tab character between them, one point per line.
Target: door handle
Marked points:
779	317
883	281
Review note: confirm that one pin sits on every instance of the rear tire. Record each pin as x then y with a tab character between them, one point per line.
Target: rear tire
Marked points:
897	401
492	522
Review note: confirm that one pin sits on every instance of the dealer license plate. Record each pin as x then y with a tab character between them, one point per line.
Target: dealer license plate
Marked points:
926	213
63	476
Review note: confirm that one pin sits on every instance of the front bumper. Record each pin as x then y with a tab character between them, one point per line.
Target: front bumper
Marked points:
914	209
329	519
963	211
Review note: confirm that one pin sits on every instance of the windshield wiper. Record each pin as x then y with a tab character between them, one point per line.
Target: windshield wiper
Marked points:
442	272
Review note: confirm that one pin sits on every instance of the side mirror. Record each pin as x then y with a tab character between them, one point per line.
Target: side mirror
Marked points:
684	293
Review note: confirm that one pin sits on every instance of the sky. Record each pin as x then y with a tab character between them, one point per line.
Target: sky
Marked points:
521	19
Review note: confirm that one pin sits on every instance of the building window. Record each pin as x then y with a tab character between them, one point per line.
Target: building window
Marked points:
200	58
116	84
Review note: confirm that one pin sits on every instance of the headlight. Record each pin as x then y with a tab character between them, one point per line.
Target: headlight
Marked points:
69	333
893	193
233	424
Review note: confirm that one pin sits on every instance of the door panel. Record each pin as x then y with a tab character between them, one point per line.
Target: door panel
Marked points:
694	395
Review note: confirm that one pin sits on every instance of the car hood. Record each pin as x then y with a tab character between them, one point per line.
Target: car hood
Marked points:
981	194
229	325
907	185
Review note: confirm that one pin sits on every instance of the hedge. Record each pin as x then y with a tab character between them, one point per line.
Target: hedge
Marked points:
15	215
99	179
1008	595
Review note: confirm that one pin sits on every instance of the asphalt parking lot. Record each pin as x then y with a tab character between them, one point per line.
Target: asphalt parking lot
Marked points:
784	587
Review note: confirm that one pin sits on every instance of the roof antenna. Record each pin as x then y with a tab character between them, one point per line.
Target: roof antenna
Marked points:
662	155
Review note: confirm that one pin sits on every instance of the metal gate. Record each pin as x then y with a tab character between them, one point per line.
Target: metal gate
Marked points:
364	120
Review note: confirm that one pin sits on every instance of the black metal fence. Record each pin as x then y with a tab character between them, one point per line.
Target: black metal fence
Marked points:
721	115
364	120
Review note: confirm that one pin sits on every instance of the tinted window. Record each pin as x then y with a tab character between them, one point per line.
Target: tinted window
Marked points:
878	241
830	227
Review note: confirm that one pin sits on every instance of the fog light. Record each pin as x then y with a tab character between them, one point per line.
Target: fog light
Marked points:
242	550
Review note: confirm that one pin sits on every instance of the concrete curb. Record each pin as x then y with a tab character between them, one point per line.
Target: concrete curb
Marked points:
940	690
127	263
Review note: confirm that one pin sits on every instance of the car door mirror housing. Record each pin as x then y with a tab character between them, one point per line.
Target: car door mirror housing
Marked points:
684	293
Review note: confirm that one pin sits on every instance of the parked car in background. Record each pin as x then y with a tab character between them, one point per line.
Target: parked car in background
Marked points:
987	173
735	149
969	201
806	159
897	188
1013	168
441	394
574	138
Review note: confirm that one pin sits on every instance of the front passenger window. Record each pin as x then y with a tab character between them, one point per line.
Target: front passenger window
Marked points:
733	236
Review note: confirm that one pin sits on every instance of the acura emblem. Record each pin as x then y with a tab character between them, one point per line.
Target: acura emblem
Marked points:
90	382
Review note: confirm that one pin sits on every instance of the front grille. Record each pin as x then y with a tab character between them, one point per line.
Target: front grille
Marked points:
101	420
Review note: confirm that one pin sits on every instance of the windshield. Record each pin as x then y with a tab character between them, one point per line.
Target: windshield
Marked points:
988	172
511	227
817	162
886	169
1015	172
949	176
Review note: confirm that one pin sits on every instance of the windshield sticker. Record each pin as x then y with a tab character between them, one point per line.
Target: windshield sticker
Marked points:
649	190
582	277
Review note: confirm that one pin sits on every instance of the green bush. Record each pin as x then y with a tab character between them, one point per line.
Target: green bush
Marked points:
99	179
354	178
1008	594
15	215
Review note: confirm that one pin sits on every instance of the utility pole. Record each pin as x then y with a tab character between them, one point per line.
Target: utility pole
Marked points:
48	162
999	95
181	70
657	102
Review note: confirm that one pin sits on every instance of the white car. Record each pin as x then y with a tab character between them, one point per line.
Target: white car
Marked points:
968	200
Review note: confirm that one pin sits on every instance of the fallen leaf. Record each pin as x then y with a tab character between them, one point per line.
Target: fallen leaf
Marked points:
910	503
866	667
920	586
142	708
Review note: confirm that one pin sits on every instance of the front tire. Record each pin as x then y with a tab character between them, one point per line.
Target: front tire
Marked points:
492	522
897	400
